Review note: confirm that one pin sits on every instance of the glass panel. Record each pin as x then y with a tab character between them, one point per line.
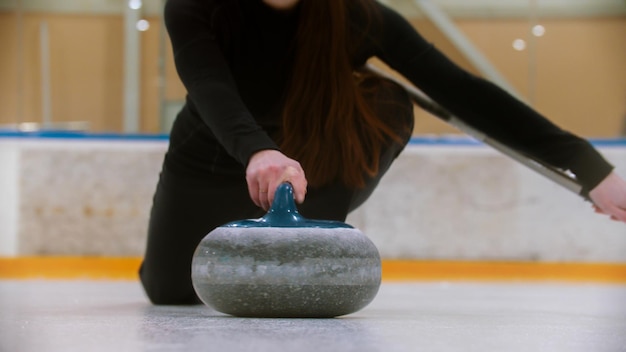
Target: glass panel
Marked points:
63	63
565	58
65	67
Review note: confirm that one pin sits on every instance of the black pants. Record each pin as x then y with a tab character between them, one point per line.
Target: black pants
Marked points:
201	188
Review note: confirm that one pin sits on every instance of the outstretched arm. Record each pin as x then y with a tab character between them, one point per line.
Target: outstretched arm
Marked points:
206	75
489	109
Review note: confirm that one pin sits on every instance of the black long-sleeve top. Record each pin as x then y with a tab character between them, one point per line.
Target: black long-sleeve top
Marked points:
233	58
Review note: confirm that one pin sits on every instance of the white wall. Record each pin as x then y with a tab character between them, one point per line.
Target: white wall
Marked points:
471	203
86	196
9	197
438	201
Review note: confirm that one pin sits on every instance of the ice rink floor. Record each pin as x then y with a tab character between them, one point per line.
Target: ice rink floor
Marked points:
114	316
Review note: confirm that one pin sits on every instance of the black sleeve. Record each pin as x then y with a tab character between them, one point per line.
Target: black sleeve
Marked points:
206	75
485	106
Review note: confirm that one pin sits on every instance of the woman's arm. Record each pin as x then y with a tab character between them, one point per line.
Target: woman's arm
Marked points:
484	105
205	74
502	117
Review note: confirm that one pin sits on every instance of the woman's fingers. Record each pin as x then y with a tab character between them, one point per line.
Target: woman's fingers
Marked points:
618	214
264	201
299	184
293	175
268	169
609	197
253	191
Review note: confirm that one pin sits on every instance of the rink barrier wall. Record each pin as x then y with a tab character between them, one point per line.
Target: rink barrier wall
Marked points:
93	268
445	199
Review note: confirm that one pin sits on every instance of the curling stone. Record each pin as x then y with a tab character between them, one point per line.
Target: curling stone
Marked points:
284	265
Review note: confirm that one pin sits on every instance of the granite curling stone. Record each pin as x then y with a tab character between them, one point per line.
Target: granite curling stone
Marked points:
284	265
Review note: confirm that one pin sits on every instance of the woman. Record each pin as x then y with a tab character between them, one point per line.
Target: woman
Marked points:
275	94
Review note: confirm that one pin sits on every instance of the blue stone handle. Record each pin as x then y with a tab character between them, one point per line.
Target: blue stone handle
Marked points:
284	213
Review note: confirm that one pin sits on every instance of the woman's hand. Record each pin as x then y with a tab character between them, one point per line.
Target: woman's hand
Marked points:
609	197
266	170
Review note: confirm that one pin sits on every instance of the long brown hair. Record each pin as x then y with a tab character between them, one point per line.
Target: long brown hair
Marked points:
329	125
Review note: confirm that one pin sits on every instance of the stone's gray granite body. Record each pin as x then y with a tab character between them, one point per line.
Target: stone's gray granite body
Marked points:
81	197
286	271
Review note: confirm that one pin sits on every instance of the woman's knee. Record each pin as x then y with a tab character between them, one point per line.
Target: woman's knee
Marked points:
167	287
182	214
